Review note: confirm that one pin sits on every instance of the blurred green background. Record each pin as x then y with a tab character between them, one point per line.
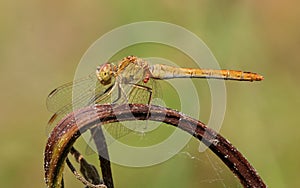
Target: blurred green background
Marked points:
43	41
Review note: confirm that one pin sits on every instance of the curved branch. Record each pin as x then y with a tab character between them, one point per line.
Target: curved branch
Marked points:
68	130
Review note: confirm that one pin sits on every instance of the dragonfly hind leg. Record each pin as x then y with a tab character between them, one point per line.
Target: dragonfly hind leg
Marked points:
148	89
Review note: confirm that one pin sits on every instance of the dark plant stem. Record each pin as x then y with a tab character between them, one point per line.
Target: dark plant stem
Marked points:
103	155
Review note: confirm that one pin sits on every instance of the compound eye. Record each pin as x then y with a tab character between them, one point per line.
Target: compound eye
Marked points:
104	73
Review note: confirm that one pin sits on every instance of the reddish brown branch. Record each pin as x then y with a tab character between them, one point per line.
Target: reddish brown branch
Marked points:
68	130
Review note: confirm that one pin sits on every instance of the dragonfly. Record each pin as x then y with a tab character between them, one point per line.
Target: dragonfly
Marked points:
131	80
125	82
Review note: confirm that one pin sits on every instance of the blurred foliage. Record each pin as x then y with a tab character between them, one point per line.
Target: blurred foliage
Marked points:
42	42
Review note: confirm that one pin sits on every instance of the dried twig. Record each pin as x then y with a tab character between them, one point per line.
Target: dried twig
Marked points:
68	130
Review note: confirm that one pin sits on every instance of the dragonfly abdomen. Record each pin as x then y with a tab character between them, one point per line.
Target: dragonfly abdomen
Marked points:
168	72
227	74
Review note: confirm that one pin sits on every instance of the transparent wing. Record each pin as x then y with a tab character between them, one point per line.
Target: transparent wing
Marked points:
62	96
89	91
75	95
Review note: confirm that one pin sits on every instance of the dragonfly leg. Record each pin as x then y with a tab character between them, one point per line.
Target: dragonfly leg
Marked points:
100	97
120	90
148	89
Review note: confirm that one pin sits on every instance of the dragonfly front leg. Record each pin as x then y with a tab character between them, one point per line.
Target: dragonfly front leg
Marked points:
97	99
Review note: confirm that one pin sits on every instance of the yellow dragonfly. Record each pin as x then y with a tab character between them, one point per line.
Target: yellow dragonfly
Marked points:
127	82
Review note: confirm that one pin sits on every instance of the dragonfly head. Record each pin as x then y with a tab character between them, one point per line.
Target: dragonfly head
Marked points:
104	73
